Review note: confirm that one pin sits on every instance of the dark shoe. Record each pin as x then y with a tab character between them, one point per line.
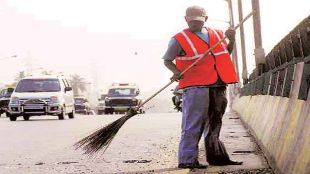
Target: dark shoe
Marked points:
224	163
235	162
196	165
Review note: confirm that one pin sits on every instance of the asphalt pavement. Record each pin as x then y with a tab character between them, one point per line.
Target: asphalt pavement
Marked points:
147	143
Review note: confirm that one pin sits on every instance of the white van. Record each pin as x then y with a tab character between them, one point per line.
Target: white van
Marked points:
42	95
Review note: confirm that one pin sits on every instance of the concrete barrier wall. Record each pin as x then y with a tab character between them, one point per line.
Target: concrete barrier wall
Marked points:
276	105
282	127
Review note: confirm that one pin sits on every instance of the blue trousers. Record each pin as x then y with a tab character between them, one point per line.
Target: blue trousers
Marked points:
194	118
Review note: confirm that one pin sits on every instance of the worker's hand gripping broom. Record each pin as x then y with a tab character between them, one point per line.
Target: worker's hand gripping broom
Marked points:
101	139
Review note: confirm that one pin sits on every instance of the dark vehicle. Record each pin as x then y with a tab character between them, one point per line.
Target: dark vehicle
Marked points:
81	105
177	98
5	95
121	97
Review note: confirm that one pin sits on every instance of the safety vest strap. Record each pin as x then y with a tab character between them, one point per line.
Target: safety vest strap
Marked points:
191	58
225	51
190	43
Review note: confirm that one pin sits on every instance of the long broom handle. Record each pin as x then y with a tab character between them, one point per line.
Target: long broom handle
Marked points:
194	63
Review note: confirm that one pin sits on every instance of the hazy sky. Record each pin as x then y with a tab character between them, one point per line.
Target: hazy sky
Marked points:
98	39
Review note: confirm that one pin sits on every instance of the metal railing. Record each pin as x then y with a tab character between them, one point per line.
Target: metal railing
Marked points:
281	64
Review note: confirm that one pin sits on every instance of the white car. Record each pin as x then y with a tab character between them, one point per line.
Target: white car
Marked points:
42	95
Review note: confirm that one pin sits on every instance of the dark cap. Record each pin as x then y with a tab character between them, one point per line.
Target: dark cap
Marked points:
195	13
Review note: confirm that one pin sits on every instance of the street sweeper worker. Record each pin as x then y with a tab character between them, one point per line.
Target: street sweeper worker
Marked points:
204	85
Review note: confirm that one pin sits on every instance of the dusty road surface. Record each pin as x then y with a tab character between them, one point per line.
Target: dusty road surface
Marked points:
147	143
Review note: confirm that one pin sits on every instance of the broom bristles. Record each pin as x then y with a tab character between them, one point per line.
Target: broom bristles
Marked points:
101	139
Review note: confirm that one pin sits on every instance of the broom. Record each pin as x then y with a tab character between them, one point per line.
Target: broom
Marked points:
101	139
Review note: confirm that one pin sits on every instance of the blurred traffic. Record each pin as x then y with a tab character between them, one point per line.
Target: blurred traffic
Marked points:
46	94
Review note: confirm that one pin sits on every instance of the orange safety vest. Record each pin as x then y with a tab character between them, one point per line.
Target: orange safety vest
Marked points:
207	69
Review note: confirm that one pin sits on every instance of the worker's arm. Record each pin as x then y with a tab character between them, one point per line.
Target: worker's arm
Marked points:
172	67
230	46
172	52
230	34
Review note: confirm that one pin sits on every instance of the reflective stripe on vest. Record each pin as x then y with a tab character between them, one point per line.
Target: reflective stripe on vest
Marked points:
190	43
222	44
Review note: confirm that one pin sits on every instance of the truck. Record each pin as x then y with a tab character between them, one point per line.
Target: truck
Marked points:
121	97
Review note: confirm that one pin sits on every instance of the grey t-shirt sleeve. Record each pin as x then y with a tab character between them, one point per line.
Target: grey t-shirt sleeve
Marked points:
174	49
